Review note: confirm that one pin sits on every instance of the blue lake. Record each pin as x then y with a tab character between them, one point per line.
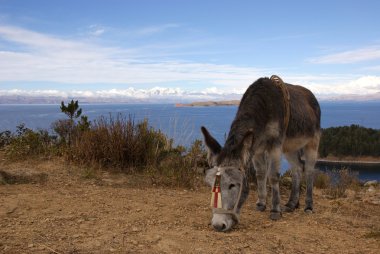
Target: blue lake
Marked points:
183	124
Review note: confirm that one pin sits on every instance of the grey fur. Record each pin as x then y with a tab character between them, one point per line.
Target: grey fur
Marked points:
230	186
258	135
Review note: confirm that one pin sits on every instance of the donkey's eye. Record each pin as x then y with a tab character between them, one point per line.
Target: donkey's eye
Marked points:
231	186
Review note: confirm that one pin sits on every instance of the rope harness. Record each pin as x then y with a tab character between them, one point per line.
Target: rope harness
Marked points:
285	92
216	197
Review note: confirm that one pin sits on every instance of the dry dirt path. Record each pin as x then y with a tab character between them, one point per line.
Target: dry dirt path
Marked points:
109	214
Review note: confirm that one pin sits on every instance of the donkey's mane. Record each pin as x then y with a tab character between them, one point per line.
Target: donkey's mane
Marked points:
259	105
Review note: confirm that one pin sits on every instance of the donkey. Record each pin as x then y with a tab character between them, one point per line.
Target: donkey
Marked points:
273	118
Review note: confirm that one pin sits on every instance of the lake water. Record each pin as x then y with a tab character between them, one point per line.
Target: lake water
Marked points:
183	124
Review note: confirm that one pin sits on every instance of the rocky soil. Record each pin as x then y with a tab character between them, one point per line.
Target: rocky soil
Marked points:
64	209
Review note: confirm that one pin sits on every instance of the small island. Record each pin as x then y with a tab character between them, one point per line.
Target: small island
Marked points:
209	103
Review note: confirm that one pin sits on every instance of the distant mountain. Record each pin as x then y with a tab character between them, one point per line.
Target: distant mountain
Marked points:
209	103
155	95
130	95
355	97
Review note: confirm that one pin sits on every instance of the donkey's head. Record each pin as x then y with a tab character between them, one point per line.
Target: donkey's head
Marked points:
229	185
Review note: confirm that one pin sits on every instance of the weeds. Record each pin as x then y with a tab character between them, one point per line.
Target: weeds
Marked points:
373	234
28	143
121	143
334	183
340	181
322	180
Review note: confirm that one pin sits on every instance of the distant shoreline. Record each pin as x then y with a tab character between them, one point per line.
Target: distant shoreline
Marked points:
209	103
349	161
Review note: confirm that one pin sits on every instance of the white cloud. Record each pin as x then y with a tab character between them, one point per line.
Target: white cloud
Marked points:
96	30
48	58
156	93
156	29
366	85
363	85
351	56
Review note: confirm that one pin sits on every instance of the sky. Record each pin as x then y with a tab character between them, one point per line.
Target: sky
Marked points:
187	49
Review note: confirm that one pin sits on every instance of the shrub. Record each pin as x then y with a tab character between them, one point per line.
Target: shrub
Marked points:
5	138
322	180
27	142
121	143
63	129
340	181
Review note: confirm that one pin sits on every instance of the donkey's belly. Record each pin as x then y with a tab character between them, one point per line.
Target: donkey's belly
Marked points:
294	144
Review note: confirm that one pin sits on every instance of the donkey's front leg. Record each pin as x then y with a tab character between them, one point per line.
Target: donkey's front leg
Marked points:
259	162
274	178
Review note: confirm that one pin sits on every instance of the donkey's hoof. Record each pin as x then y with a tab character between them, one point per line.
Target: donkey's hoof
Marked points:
275	215
260	207
288	209
308	210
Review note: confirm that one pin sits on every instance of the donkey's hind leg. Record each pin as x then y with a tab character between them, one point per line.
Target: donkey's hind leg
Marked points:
274	178
311	153
296	168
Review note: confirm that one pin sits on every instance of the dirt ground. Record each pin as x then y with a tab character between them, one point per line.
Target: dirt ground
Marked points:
63	209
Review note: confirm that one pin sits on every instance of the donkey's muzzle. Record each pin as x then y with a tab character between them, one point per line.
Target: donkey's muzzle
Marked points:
220	227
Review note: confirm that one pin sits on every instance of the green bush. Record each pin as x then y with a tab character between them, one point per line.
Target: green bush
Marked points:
351	140
26	143
5	138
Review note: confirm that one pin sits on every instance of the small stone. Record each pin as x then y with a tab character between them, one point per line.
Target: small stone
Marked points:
112	250
371	183
31	245
371	189
134	229
134	242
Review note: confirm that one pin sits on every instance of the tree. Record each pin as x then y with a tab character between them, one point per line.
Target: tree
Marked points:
72	109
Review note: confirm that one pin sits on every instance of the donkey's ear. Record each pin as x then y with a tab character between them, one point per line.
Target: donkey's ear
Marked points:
213	147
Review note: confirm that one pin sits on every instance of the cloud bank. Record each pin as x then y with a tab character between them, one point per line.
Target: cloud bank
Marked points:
350	56
37	57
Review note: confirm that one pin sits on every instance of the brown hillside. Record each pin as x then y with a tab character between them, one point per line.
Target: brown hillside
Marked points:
81	211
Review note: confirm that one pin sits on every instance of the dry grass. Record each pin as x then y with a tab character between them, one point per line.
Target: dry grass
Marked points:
340	181
120	143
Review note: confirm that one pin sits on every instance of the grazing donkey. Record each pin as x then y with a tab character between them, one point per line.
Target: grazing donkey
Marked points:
273	118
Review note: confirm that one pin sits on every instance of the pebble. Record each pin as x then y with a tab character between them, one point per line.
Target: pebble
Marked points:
31	245
371	189
370	183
